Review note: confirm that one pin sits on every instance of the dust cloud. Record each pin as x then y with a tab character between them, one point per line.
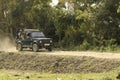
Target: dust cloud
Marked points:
6	44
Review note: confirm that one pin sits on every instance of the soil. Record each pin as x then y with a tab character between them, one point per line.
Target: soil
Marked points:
104	55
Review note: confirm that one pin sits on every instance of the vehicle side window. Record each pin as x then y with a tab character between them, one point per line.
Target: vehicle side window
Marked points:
28	35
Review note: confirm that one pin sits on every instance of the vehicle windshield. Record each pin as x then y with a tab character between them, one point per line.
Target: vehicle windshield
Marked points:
37	35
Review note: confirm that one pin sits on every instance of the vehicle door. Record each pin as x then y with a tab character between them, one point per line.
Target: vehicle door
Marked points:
27	42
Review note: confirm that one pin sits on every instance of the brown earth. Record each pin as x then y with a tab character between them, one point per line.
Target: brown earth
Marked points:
104	55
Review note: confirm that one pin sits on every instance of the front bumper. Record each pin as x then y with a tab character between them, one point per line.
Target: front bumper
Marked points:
45	45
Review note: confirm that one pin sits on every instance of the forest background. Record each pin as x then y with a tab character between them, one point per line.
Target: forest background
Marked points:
72	24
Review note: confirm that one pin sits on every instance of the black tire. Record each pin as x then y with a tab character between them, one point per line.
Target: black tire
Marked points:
50	49
19	47
35	48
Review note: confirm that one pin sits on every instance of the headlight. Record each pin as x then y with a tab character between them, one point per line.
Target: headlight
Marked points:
40	41
50	41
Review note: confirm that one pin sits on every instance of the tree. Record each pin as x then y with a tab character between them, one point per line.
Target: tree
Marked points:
107	27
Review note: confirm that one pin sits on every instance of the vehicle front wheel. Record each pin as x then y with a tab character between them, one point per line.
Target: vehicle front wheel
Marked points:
35	47
49	49
19	47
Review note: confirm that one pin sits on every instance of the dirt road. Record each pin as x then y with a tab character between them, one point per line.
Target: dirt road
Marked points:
87	53
72	53
105	55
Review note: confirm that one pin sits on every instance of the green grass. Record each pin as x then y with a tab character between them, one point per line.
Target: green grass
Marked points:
27	75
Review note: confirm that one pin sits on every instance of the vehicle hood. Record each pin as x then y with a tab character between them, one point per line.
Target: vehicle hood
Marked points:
42	38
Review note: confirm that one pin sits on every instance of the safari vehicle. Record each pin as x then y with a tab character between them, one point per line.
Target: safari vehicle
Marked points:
33	39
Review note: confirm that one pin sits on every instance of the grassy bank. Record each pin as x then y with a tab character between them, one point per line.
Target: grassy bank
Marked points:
27	75
20	66
56	64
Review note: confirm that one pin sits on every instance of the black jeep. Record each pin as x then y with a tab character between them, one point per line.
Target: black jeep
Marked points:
33	39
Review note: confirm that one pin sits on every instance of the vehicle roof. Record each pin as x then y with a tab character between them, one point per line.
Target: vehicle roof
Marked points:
30	30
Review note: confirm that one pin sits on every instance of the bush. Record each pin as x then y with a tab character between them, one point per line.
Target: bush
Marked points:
85	45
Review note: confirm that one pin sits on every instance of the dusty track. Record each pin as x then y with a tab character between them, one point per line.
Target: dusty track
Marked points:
105	55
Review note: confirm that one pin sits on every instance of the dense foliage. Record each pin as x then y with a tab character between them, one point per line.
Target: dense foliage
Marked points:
87	24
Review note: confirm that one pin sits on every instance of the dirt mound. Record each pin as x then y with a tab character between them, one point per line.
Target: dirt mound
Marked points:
55	64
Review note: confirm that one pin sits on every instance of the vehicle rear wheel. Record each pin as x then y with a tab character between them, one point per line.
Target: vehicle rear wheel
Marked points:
19	47
35	47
